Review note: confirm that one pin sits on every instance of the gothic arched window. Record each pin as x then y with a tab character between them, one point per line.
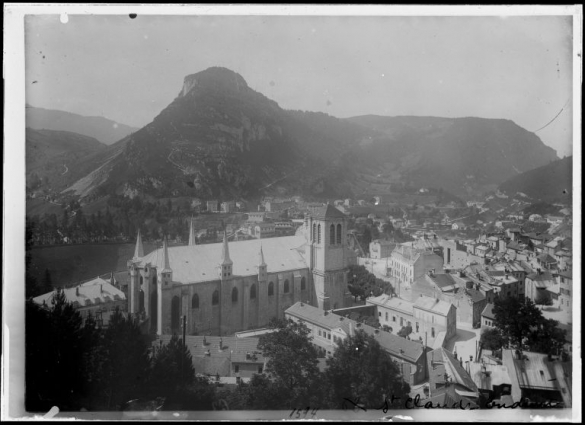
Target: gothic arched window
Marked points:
141	280
332	234
271	288
154	279
215	298
318	233
195	301
339	233
253	292
303	284
314	232
286	286
235	295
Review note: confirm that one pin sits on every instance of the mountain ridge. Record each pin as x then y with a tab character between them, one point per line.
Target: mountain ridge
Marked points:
220	138
103	129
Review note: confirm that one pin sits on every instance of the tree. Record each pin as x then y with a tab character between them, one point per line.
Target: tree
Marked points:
491	339
514	319
47	285
405	331
124	371
54	352
292	365
172	367
387	229
361	369
546	337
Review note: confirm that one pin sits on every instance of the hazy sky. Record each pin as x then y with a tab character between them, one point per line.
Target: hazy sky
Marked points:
128	70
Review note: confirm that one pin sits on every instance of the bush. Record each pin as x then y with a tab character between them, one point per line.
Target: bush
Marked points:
405	331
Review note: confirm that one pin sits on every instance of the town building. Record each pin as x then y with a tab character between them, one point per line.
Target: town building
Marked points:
213	206
445	371
539	377
278	205
262	230
97	297
537	285
565	282
223	357
328	329
458	225
488	317
226	287
408	264
228	207
381	248
455	256
492	381
431	319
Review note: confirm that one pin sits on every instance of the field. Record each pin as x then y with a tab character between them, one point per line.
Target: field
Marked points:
72	263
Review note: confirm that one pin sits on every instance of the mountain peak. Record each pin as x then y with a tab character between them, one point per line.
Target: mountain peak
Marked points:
215	77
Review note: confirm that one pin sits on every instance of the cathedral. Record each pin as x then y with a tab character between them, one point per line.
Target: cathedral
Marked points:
224	288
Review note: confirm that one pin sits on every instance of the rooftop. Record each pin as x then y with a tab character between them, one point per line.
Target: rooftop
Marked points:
448	396
497	375
434	305
488	311
326	211
198	263
394	303
95	292
441	362
444	281
568	274
535	371
475	295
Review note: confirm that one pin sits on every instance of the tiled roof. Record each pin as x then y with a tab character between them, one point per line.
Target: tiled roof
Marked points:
516	246
431	304
442	362
546	258
198	263
326	211
542	277
475	295
447	396
393	303
95	292
567	273
443	280
488	311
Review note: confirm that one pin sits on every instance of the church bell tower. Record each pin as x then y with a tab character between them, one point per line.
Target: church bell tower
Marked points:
327	256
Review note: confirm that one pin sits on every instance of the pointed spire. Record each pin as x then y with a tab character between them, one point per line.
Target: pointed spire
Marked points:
166	256
192	236
139	250
225	253
261	258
